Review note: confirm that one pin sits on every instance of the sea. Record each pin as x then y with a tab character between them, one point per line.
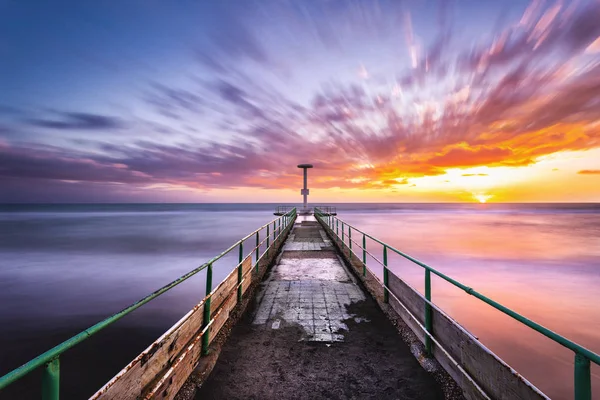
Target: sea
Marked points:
64	267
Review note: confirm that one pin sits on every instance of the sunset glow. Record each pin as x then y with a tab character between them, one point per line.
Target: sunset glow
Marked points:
482	198
404	102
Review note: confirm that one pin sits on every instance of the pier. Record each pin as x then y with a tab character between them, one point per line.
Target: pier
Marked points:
314	333
303	313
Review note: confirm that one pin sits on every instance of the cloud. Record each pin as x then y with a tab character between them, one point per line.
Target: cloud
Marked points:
78	121
466	157
529	91
42	163
589	172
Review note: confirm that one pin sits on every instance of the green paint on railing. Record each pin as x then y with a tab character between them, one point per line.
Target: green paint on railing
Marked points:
240	272
583	356
350	238
50	359
206	314
386	278
258	248
428	311
583	382
364	255
51	380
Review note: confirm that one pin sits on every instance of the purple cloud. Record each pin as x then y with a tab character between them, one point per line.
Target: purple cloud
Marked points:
78	121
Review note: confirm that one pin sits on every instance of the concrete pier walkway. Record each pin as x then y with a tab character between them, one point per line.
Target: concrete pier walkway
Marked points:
314	333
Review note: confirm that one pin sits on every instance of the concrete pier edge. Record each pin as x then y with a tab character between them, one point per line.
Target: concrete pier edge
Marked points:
370	285
207	363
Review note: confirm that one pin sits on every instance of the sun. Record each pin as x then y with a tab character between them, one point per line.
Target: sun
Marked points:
482	198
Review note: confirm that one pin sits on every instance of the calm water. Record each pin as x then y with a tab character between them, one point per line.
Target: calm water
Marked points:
64	267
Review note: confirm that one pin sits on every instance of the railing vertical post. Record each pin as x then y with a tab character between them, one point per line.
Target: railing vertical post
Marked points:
206	314
51	380
350	238
337	230
583	383
386	293
274	231
428	322
257	248
240	273
364	255
343	238
268	237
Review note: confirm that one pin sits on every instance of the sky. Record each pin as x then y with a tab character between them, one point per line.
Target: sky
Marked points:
391	101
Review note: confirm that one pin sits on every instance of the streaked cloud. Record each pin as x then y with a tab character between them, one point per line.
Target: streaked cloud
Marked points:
77	121
526	90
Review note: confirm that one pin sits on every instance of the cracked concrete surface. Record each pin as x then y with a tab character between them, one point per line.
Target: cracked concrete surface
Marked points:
309	290
314	334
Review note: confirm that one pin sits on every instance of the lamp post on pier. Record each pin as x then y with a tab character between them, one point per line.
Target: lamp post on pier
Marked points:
305	191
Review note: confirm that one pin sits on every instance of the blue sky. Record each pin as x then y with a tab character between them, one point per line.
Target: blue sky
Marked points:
215	101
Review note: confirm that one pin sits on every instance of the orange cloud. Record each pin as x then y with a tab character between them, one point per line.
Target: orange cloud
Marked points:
467	157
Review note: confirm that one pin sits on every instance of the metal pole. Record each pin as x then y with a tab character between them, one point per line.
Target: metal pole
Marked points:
428	322
337	225
268	237
350	238
240	273
305	187
257	249
206	314
364	255
51	380
583	384
386	294
343	233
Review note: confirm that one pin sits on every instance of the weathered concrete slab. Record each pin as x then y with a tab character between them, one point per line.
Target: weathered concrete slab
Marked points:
317	306
326	269
308	291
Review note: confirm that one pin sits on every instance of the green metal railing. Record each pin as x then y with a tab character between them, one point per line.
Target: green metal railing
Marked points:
583	356
50	360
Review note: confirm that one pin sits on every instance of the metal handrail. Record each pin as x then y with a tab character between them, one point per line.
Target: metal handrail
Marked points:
50	358
583	356
327	209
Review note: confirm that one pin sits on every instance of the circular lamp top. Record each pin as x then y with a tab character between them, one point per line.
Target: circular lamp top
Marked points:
305	166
